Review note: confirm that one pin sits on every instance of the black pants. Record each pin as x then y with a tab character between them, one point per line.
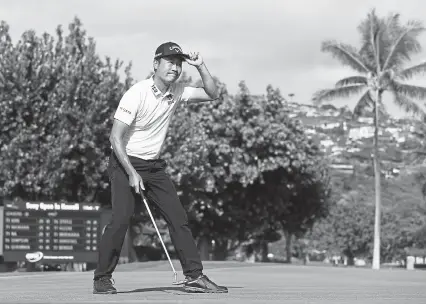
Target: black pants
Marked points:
160	190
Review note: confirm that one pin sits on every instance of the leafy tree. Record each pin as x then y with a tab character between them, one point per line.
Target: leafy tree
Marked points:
58	97
221	154
348	229
400	231
299	194
420	237
380	61
419	175
406	213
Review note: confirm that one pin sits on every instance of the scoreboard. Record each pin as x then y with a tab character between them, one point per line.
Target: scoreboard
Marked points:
52	232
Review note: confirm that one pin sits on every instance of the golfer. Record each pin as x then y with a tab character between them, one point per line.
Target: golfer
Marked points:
138	133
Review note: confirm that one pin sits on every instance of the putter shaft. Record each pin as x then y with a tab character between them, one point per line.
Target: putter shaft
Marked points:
159	235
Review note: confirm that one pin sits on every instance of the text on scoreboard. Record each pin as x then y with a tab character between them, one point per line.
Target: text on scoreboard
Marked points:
62	230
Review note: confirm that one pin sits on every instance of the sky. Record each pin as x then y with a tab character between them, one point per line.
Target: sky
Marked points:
261	42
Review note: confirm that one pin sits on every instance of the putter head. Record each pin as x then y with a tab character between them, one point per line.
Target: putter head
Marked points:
176	282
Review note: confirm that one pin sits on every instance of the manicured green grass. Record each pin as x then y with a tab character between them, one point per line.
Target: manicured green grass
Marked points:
151	282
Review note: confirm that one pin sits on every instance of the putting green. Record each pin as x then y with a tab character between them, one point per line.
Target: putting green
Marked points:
151	282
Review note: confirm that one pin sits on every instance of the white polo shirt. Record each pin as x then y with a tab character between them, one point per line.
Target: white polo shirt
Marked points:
148	113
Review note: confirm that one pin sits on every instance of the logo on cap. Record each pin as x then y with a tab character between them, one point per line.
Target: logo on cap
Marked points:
176	49
169	49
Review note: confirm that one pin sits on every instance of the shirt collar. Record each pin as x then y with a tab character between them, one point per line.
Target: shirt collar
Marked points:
157	93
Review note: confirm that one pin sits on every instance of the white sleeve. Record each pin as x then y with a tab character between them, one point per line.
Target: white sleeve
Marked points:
184	92
128	106
187	93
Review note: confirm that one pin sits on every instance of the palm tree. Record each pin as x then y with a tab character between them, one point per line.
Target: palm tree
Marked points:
386	48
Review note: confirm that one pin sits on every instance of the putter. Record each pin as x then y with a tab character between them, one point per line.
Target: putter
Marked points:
161	240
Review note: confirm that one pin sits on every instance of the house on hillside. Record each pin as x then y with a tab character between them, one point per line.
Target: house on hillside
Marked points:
362	132
392	173
326	143
336	150
353	149
346	113
302	109
342	168
366	120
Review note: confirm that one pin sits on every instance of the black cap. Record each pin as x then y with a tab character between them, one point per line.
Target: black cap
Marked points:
169	49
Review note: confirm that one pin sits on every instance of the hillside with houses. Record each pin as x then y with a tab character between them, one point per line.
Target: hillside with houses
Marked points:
349	141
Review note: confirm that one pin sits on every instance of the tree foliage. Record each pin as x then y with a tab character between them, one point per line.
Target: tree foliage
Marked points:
349	227
241	164
57	97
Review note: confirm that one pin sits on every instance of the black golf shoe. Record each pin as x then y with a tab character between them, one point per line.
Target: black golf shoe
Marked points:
203	284
104	285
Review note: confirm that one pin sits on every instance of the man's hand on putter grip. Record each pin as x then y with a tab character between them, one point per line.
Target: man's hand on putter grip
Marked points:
136	182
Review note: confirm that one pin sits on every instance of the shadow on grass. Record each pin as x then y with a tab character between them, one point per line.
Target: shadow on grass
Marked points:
165	289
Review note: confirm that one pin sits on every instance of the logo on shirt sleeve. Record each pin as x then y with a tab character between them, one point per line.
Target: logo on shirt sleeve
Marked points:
125	110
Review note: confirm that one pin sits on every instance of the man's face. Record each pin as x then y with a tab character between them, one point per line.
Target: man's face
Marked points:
168	68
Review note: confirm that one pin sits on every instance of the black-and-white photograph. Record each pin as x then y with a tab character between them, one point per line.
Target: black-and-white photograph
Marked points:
183	151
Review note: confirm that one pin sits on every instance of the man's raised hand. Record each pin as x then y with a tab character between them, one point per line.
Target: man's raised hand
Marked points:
195	59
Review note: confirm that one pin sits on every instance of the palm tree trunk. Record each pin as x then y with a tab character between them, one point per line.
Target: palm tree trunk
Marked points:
376	248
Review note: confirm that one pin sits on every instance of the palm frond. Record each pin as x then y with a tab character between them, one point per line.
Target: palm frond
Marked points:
391	27
379	45
341	92
392	22
351	80
386	43
410	72
364	104
408	90
375	39
368	29
404	43
346	54
408	105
